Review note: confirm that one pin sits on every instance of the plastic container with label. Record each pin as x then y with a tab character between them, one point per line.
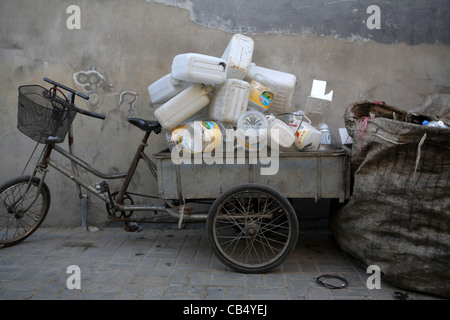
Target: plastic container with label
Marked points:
165	89
307	138
200	136
199	68
229	101
286	83
238	56
262	93
172	113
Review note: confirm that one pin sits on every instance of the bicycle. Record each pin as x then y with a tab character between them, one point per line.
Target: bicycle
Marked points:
252	228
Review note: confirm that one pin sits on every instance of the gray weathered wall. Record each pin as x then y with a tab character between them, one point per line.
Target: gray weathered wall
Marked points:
123	46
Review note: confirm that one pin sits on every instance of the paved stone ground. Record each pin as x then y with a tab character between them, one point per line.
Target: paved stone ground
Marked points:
163	263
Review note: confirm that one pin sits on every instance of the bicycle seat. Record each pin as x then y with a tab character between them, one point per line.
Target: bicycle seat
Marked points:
146	125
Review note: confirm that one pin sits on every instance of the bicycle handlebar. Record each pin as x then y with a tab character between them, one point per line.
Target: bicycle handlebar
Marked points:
91	114
82	95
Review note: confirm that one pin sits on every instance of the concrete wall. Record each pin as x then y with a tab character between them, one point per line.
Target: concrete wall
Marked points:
123	46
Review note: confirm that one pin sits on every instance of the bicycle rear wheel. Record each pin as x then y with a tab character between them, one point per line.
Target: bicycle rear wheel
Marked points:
23	207
252	228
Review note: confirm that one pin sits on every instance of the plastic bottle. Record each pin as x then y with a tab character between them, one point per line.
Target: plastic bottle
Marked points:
262	93
251	132
285	136
436	124
325	141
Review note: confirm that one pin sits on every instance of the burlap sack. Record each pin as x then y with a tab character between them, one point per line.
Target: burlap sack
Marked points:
398	216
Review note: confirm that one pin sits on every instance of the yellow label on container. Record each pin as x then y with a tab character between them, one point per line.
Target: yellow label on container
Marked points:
209	137
212	135
261	95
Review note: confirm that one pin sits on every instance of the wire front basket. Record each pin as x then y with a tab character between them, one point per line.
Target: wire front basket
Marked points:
43	116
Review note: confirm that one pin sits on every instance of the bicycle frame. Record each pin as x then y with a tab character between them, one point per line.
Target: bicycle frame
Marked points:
117	204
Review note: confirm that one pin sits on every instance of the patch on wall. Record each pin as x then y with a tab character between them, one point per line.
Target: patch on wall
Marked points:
382	21
127	103
92	81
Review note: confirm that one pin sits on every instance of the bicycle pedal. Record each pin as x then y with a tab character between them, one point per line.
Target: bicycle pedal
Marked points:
102	187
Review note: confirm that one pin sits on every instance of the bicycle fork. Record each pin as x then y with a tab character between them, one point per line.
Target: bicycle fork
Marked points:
42	169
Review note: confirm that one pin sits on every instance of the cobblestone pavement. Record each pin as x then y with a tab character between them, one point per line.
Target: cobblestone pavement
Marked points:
163	263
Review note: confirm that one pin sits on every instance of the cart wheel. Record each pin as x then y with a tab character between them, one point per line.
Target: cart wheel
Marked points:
252	228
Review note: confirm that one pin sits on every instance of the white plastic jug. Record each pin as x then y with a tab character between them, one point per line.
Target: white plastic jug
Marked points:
229	101
284	136
199	68
286	83
165	88
307	138
195	137
182	106
200	136
238	56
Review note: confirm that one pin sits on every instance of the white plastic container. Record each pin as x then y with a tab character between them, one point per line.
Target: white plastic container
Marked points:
307	138
184	105
286	83
229	101
195	137
238	56
165	88
318	103
280	133
199	68
200	136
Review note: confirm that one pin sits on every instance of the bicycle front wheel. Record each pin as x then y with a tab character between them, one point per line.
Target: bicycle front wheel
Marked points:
23	207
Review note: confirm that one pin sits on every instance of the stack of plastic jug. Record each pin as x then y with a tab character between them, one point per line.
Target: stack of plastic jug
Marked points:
230	86
230	100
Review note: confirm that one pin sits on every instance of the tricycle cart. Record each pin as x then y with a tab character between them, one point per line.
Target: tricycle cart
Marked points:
251	224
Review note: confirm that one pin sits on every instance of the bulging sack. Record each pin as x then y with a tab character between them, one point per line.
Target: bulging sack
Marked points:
399	212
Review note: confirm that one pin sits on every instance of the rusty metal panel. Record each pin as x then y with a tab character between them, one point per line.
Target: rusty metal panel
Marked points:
321	174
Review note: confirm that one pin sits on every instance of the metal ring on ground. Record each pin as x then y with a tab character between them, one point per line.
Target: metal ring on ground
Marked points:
330	286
